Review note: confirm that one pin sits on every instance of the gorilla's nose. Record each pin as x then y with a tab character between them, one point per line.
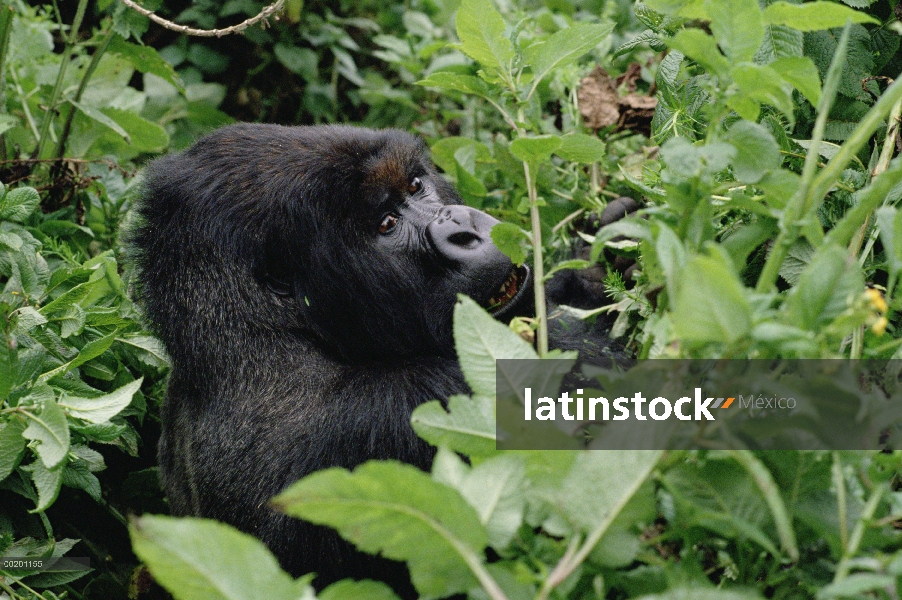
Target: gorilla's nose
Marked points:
461	234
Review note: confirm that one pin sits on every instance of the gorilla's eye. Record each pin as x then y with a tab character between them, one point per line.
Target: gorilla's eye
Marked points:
415	186
388	224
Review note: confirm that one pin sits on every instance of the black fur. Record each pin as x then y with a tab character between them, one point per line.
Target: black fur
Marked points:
301	338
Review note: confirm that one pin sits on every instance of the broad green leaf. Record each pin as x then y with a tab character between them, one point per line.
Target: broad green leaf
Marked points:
581	148
480	340
757	151
467	427
534	150
302	61
826	288
200	559
702	48
481	32
445	150
18	204
779	41
90	351
400	512
51	430
103	408
12	446
690	9
146	60
102	118
738	27
802	74
763	84
150	350
141	134
889	222
458	82
76	474
508	237
600	484
712	304
564	47
813	16
495	488
348	589
46	481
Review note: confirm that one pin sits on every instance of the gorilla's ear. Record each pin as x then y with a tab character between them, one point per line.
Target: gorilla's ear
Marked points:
277	285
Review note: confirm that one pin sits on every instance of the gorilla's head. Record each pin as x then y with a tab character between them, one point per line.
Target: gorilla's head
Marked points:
343	235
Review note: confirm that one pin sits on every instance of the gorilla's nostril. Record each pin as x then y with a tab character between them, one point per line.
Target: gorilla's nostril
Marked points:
465	239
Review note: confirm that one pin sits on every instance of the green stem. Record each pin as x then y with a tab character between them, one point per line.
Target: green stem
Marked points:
89	72
796	207
845	563
6	22
839	483
60	77
538	282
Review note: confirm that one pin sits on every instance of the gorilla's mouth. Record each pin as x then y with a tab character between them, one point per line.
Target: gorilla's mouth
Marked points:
510	291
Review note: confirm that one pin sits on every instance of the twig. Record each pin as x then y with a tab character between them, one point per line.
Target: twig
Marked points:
267	12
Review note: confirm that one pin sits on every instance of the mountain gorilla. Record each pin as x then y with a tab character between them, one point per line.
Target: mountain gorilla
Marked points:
303	280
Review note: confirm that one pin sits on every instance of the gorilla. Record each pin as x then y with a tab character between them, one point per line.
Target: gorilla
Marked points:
303	280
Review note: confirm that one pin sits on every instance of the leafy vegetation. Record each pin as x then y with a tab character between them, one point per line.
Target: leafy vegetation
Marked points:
760	135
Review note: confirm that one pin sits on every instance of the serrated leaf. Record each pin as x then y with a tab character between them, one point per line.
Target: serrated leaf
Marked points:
19	203
534	150
702	48
51	430
802	74
830	282
90	351
564	47
102	408
467	427
481	32
150	350
813	16
12	446
458	82
738	27
77	475
712	304
480	340
200	559
508	237
495	488
757	152
763	84
581	148
100	117
400	512
779	41
646	37
147	60
46	481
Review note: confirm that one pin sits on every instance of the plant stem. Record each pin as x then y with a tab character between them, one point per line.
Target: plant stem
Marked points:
65	59
538	282
89	72
841	506
6	26
842	569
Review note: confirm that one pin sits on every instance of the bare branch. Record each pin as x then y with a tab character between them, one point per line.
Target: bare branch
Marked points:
267	12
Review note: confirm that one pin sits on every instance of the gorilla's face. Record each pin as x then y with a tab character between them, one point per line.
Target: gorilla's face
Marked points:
389	249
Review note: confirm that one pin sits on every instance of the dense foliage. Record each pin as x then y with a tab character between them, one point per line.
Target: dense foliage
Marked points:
761	136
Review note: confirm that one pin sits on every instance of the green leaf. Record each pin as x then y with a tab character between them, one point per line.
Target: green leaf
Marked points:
581	148
348	589
12	446
19	203
141	134
481	32
398	511
813	16
495	488
763	84
100	117
600	484
51	430
146	60
757	152
458	82
827	286
76	474
90	351
564	47
779	41
711	304
200	559
534	150
302	61
467	427
700	47
508	237
738	27
46	481
480	340
802	74
103	408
